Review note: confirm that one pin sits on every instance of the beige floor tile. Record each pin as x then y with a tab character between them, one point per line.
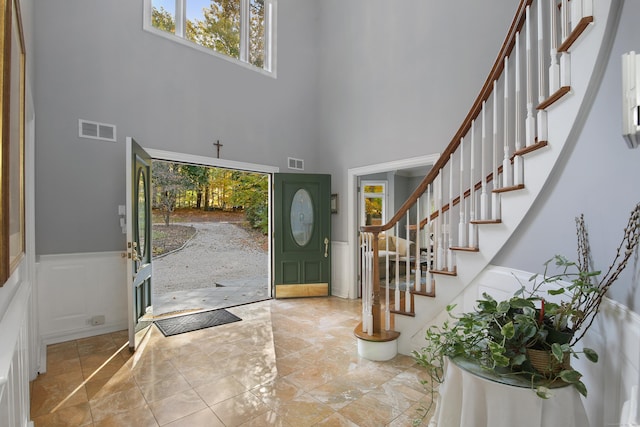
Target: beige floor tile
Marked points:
336	420
267	419
101	364
116	404
337	394
289	363
101	387
276	392
219	390
134	417
239	409
311	377
203	418
177	406
368	411
67	366
51	392
96	344
164	388
303	410
70	416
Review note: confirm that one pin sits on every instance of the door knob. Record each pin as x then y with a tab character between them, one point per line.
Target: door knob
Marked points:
326	247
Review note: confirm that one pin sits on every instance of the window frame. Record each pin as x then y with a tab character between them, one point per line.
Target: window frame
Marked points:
270	25
382	195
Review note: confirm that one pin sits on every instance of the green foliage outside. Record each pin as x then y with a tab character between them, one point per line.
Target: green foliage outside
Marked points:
212	188
220	28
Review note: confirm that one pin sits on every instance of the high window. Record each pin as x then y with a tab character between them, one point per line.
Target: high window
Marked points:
239	30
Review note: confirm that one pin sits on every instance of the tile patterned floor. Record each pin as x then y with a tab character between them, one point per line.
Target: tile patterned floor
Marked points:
289	363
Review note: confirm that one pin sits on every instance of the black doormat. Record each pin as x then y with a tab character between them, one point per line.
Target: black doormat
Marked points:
193	322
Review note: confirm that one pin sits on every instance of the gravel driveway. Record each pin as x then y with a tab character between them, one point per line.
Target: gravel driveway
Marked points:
220	266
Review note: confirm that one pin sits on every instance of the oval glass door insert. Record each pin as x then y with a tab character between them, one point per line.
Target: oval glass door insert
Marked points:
302	217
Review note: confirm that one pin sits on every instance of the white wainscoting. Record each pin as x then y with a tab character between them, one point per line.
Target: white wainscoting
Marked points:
340	280
73	288
14	359
615	335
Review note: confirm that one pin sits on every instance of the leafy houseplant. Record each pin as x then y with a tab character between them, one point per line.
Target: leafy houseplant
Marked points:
506	337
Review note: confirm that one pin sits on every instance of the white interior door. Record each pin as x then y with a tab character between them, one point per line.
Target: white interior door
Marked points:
138	169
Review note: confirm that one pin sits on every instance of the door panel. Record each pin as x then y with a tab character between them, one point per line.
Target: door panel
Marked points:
139	268
302	233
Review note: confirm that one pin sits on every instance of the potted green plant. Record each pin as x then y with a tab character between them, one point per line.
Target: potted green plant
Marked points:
507	337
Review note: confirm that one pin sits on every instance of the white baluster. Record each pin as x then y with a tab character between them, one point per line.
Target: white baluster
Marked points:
462	224
407	289
554	68
450	255
418	282
507	177
518	161
439	226
530	124
387	301
484	197
495	197
370	284
565	57
429	278
587	8
363	279
397	270
576	13
542	114
472	188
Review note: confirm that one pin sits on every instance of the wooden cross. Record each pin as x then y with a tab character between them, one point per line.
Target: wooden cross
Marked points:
218	145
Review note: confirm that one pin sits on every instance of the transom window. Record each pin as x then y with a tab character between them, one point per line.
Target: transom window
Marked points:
240	30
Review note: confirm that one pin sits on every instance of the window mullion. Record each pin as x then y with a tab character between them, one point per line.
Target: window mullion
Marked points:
244	30
181	13
268	36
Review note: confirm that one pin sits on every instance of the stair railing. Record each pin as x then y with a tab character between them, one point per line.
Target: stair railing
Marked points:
483	160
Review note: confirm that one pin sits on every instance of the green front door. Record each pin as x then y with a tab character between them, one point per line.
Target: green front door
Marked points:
138	167
301	235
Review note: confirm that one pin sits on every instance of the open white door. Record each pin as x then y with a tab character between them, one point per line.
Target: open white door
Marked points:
138	170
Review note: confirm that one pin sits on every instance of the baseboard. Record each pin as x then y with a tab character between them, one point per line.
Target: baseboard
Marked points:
77	334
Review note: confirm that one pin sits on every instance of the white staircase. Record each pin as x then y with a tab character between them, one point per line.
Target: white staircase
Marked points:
500	120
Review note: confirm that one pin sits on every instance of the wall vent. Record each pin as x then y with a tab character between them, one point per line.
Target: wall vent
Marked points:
95	130
297	164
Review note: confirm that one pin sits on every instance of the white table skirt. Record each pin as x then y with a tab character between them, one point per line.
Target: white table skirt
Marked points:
468	400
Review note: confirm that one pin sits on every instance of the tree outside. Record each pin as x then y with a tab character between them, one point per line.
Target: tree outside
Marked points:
180	186
219	28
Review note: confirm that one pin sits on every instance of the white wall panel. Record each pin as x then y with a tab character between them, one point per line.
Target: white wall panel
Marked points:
72	288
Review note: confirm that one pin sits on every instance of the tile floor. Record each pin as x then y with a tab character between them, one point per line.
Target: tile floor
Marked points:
287	363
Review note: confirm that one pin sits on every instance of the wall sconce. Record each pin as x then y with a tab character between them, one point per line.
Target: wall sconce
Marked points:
631	98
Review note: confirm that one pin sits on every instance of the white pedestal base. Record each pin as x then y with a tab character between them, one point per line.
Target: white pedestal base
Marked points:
376	350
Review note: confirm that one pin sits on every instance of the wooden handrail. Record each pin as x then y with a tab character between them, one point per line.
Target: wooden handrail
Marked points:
474	112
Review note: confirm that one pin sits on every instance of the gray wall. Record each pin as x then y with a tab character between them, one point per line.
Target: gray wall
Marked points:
359	83
599	178
95	62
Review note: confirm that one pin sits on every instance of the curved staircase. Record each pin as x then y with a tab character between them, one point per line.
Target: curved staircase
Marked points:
527	115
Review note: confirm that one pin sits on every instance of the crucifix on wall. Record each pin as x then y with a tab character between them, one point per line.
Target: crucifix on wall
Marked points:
218	145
